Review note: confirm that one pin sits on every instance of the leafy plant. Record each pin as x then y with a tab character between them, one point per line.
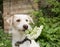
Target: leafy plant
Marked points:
4	39
49	16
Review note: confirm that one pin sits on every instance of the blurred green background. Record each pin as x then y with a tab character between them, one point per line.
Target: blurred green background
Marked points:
47	15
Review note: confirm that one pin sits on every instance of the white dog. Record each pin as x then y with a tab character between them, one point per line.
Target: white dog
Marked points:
20	23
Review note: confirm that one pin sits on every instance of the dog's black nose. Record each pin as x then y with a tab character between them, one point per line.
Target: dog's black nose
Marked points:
25	27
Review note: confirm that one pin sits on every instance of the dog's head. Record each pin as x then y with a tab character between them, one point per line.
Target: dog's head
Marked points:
20	22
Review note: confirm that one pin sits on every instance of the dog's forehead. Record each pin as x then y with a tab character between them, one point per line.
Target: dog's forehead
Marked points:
20	16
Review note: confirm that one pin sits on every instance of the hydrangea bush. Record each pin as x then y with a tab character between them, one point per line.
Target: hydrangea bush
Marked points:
49	17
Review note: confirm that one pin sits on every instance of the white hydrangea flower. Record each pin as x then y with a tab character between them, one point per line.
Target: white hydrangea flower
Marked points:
34	33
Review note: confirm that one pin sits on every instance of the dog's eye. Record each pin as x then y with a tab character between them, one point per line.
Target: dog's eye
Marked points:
18	20
26	20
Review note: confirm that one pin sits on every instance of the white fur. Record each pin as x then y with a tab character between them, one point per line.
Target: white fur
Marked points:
17	33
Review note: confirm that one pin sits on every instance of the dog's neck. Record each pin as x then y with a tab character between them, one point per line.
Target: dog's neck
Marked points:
18	35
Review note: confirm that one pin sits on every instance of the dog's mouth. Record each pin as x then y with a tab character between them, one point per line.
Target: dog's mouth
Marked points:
22	30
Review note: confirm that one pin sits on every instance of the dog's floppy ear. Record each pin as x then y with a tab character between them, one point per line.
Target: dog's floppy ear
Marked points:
31	20
9	20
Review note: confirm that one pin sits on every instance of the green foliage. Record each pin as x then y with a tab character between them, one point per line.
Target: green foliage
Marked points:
4	39
52	8
51	32
49	16
50	36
